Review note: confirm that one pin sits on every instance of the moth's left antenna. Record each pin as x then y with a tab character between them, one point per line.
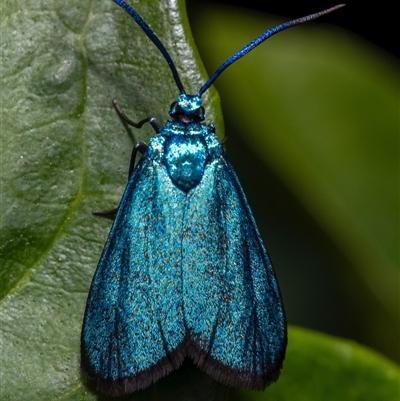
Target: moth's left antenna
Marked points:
152	36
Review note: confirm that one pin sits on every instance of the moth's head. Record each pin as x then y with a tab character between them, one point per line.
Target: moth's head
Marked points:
187	108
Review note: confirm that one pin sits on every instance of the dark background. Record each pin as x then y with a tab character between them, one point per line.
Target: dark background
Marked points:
375	21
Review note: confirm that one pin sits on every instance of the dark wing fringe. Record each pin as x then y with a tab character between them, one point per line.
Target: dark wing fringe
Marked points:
142	380
202	359
232	377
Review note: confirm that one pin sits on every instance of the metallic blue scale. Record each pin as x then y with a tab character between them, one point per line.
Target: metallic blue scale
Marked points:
184	272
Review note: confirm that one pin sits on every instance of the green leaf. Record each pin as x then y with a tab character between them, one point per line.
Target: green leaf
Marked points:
65	152
319	107
325	368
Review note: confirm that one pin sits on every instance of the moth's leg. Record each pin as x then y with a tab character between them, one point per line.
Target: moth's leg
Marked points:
139	146
151	120
224	140
108	212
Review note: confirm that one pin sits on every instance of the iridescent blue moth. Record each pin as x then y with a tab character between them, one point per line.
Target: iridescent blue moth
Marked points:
184	272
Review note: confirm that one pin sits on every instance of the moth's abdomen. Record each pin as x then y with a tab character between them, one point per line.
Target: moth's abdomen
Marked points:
185	157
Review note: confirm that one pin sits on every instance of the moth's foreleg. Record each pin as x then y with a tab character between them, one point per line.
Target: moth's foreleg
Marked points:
139	146
151	120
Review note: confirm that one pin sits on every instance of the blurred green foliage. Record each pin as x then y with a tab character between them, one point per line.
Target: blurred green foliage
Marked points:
321	367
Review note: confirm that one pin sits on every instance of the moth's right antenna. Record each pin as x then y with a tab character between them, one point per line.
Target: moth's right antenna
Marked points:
264	36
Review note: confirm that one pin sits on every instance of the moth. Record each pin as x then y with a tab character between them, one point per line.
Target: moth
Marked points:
184	272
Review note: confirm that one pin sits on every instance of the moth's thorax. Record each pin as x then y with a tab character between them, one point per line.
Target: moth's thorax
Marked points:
185	149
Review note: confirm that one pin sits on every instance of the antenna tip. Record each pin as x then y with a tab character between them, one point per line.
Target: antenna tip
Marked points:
336	7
